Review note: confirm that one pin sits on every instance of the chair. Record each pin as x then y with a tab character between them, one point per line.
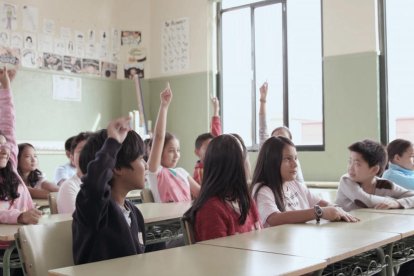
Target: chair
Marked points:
52	202
188	231
45	246
10	260
146	196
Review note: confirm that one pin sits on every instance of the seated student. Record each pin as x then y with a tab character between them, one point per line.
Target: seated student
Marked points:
362	188
68	170
105	224
280	198
66	197
38	185
16	205
279	131
204	139
224	206
401	163
168	183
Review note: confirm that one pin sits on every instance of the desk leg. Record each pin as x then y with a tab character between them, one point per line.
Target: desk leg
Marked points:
6	259
318	272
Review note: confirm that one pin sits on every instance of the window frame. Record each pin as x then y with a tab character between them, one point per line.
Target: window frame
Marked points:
219	76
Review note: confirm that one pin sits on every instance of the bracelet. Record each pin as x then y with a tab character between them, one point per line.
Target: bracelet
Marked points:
262	101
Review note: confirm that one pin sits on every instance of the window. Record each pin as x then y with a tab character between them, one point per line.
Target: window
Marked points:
399	68
279	42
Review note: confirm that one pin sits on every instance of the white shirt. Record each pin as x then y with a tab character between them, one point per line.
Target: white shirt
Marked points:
66	197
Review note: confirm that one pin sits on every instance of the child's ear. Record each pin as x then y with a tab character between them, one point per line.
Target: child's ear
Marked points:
197	152
396	158
117	172
375	169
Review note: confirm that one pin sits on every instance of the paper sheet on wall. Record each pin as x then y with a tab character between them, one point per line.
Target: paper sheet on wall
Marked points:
30	18
67	88
175	45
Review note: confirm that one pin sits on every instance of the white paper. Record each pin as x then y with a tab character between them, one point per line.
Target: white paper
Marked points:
9	16
30	41
116	41
67	88
29	59
5	38
30	18
48	26
65	33
175	45
45	43
59	46
16	40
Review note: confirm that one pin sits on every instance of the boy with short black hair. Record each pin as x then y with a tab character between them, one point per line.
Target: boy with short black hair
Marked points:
362	187
68	170
105	224
204	139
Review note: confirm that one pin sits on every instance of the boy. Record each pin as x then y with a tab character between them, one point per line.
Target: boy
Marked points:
105	225
362	188
68	170
204	139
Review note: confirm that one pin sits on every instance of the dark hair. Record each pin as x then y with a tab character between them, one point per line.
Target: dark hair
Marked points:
9	183
202	138
68	143
131	149
398	146
224	177
147	145
267	171
34	176
372	152
82	136
238	137
283	128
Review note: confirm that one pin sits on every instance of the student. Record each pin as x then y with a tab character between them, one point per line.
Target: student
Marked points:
147	147
105	224
280	198
224	206
362	188
279	131
35	181
204	139
68	170
247	167
66	197
401	163
16	205
168	183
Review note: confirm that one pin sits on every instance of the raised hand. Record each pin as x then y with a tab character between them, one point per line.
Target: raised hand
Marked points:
4	78
29	217
263	91
118	128
166	96
216	105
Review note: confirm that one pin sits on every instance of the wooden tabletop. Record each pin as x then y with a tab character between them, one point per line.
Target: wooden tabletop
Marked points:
309	240
7	231
390	211
198	260
134	194
41	202
154	212
378	222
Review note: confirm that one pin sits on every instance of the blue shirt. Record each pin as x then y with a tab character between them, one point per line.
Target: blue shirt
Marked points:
400	176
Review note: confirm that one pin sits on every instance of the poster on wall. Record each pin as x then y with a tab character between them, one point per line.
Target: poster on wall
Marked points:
16	40
45	43
9	57
30	41
175	45
29	59
5	38
30	18
52	61
72	64
132	69
130	38
109	70
8	15
48	26
90	66
67	88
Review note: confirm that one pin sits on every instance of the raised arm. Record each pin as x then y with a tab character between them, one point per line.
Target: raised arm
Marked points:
263	132
139	99
154	160
215	120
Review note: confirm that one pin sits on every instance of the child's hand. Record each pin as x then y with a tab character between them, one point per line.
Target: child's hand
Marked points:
166	96
4	78
29	217
332	213
216	105
118	129
263	91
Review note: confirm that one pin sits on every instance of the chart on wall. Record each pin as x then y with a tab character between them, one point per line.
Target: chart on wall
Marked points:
175	45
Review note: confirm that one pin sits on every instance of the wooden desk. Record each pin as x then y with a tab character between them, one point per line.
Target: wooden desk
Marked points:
198	260
41	202
389	211
309	240
322	184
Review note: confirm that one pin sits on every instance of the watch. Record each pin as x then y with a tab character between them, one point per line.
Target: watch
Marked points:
318	212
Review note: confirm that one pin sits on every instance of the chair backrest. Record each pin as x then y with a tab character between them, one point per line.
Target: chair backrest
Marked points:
52	202
188	231
146	196
45	246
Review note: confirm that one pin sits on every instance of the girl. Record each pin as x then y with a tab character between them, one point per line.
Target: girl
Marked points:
279	131
38	186
280	198
167	183
401	166
224	206
16	205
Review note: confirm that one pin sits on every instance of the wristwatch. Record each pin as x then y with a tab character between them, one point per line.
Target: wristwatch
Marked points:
318	212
